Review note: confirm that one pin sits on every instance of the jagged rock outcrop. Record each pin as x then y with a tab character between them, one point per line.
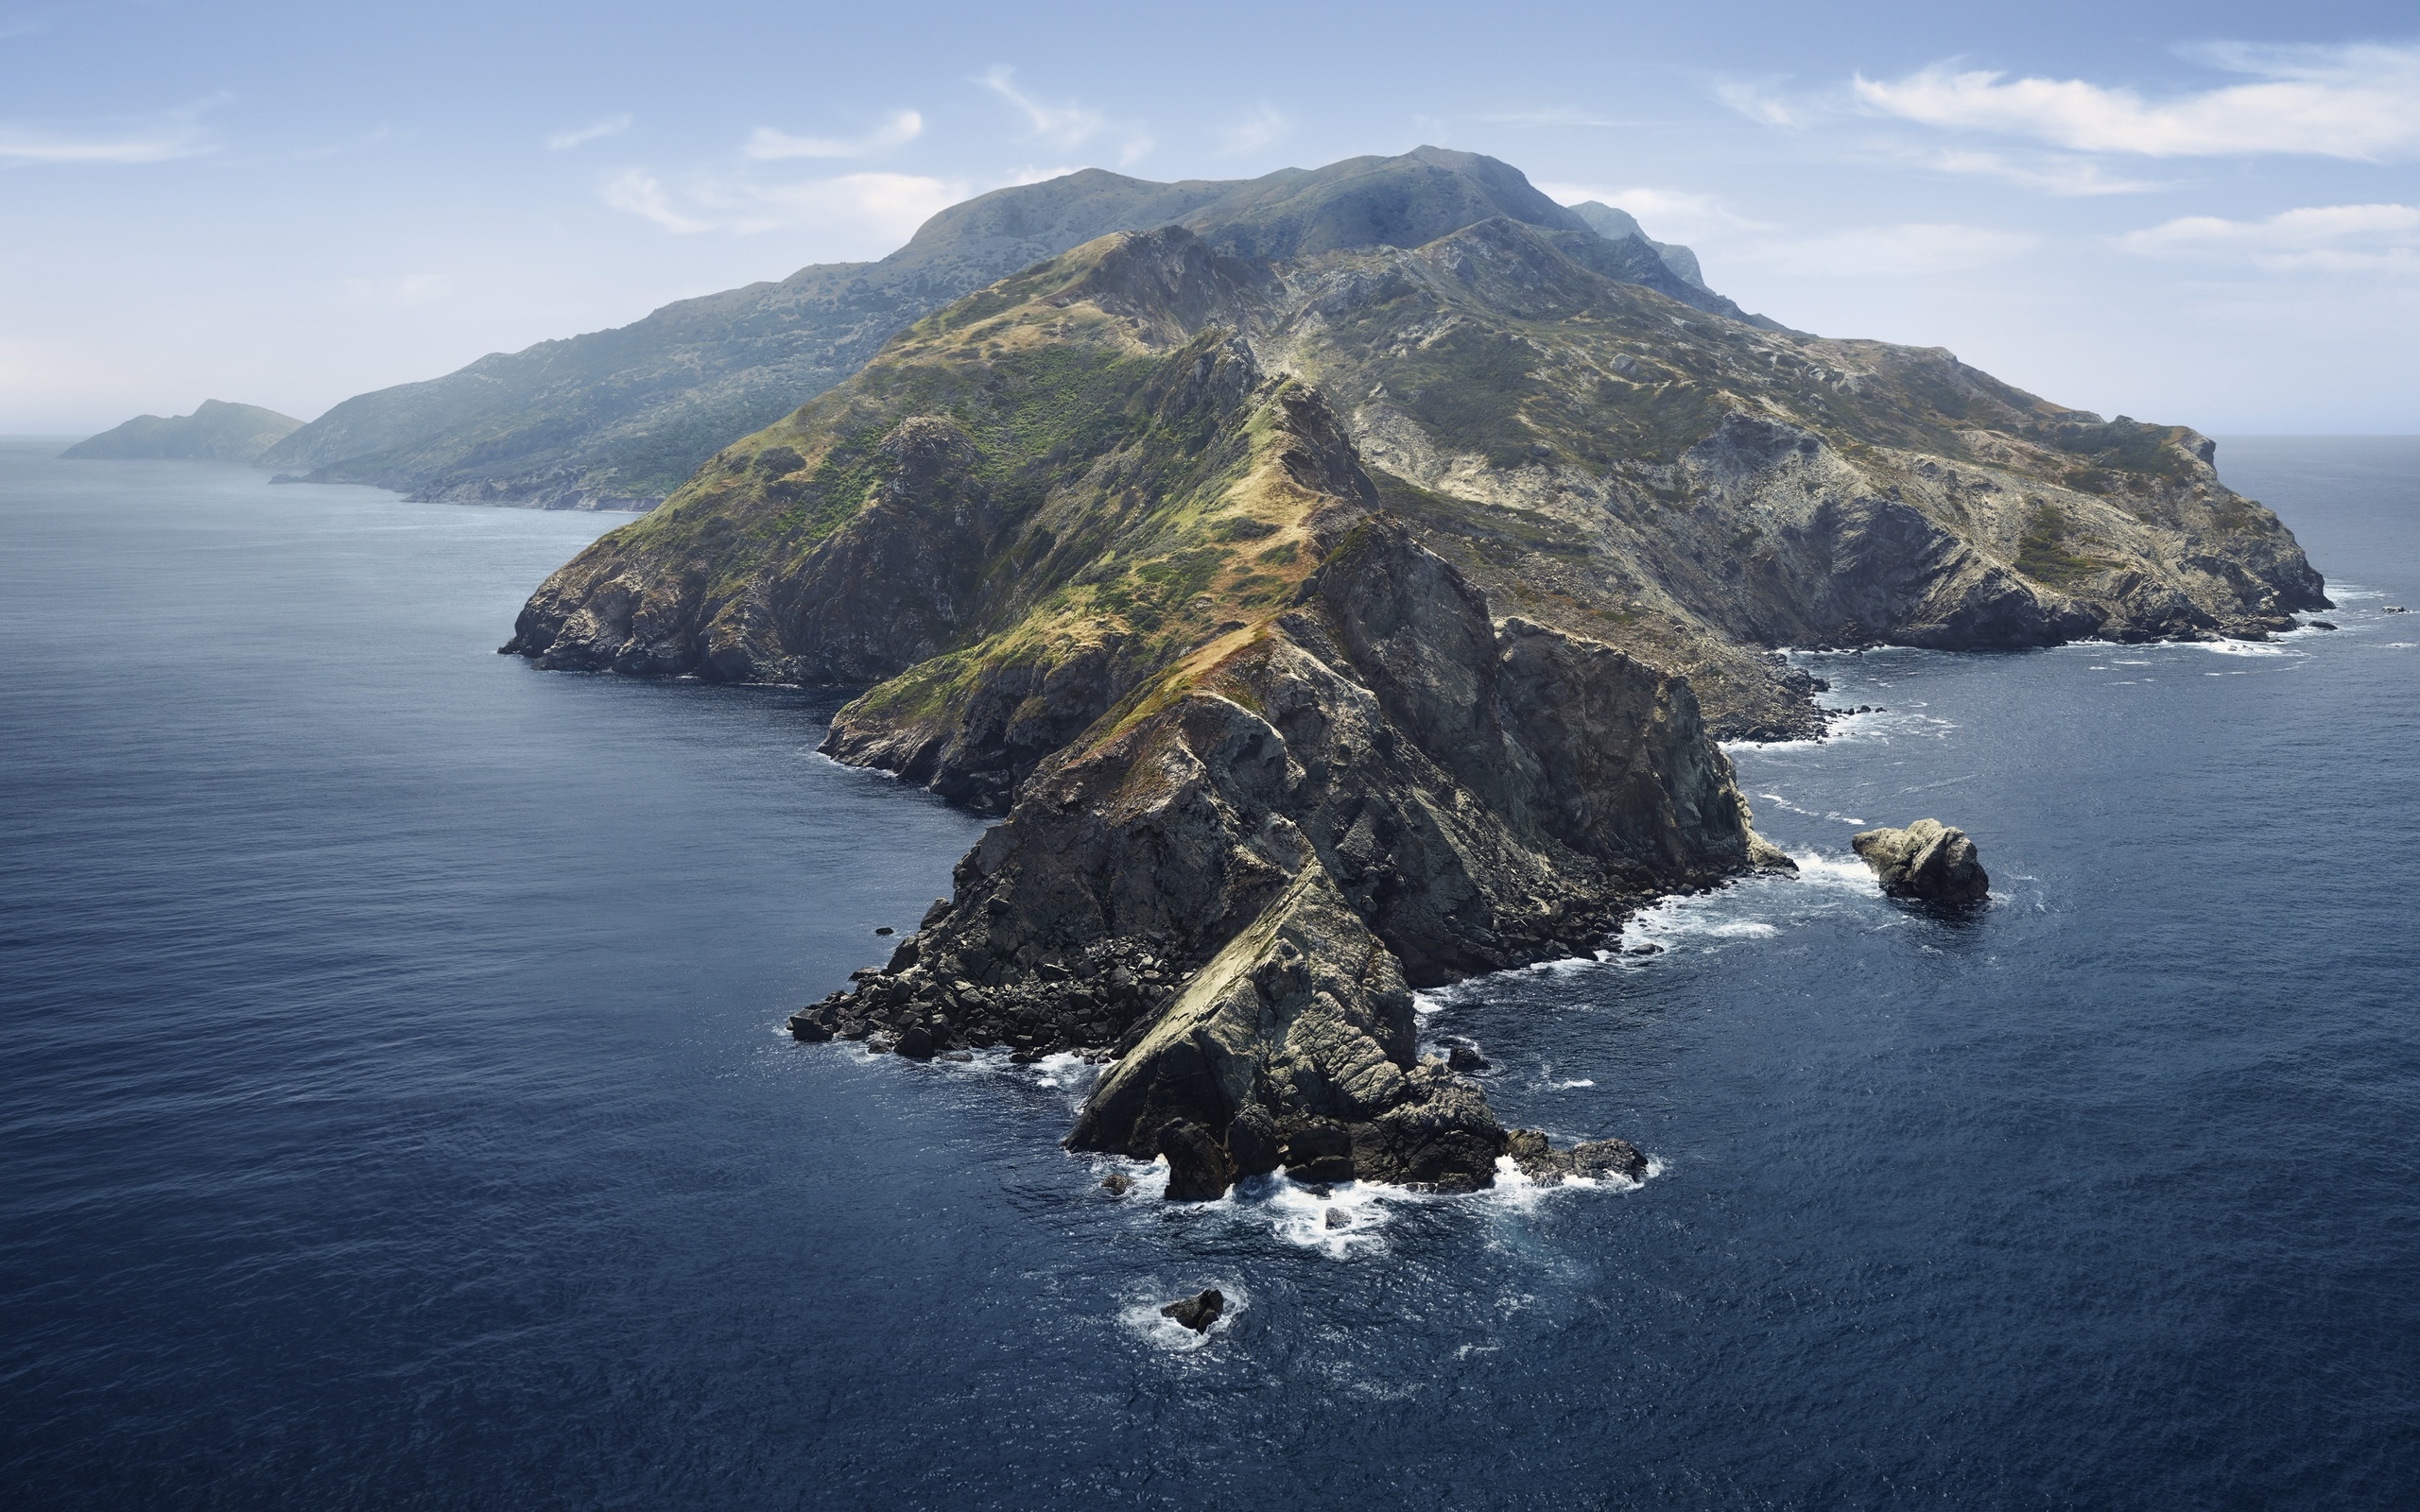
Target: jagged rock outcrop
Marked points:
1238	876
1197	1312
1928	860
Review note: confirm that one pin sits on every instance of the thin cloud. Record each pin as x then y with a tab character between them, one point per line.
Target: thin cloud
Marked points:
2360	102
594	132
2070	176
899	127
1068	125
160	139
872	205
1063	125
1667	215
1890	252
2382	238
1265	126
637	192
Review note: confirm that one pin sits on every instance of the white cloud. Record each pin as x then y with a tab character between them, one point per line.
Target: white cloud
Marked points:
637	192
1667	215
1064	124
2319	239
594	132
173	134
1068	125
897	129
1265	126
2052	174
1765	103
1879	252
2359	102
870	206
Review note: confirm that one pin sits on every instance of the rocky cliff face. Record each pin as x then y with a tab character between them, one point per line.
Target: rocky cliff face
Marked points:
1332	624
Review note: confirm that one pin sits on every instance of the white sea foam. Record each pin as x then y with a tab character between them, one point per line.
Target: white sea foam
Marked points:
1142	1318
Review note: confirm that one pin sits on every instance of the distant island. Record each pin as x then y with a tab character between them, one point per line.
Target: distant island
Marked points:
217	432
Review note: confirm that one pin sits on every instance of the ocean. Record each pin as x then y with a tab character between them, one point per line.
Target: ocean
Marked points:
397	1113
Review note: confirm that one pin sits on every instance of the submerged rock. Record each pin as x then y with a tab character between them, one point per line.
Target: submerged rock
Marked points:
1198	1313
1928	860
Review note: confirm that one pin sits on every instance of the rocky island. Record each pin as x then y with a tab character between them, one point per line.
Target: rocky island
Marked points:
1343	593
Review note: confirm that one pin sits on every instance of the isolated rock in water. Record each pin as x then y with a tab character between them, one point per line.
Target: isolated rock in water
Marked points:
1198	1170
1926	860
1118	1183
1593	1159
1336	1219
1197	1313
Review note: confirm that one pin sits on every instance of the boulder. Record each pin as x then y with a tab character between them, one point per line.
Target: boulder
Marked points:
1197	1313
1198	1170
1118	1183
1928	860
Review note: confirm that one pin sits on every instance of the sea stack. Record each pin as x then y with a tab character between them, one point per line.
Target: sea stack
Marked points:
1928	860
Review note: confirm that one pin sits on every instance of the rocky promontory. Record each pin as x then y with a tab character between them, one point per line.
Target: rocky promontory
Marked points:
1341	601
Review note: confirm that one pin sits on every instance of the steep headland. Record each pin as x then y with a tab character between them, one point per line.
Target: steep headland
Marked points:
1346	597
216	432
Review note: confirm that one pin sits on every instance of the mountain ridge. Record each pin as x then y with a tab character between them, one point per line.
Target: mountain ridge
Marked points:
618	418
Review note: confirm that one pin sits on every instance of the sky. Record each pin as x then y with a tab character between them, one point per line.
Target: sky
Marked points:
2205	214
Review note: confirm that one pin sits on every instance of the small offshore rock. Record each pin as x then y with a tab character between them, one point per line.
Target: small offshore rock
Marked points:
2321	624
884	929
1198	1170
959	1055
1197	1313
1646	948
1592	1159
1928	860
1464	1056
1336	1219
1118	1183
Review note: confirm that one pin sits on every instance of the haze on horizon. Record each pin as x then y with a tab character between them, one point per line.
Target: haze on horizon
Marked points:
2208	215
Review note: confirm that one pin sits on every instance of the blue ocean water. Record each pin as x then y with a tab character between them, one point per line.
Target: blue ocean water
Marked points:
396	1113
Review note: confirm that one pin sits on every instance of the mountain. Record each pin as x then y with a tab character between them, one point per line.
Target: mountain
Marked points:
1613	225
618	418
1333	612
217	432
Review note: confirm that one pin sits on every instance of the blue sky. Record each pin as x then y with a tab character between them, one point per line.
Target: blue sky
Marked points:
2203	213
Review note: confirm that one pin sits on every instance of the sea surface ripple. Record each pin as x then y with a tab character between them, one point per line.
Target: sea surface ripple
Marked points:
397	1114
